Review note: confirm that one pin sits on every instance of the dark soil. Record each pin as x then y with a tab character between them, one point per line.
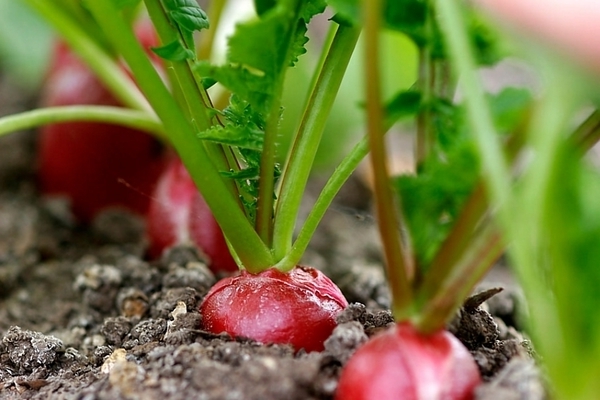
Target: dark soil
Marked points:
84	316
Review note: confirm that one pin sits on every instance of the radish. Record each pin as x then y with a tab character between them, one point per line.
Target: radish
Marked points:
178	214
417	359
297	307
402	363
95	165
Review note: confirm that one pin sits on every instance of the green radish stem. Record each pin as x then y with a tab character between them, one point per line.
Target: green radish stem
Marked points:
247	244
107	69
113	115
398	264
305	145
266	188
192	93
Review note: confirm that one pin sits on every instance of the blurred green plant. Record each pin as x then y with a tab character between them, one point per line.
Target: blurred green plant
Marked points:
25	43
547	209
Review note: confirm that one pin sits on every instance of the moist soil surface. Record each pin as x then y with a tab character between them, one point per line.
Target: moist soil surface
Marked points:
84	315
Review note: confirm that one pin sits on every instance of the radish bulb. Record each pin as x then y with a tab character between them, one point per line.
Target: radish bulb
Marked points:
297	307
402	363
95	165
178	215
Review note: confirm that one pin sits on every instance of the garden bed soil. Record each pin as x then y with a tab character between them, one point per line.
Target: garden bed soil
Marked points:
83	315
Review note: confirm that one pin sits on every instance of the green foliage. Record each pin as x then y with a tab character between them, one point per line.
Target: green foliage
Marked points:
244	129
174	51
482	39
123	4
510	108
251	85
570	255
272	31
311	8
432	199
407	16
253	71
404	104
188	17
350	10
262	6
25	44
413	18
259	53
484	42
187	14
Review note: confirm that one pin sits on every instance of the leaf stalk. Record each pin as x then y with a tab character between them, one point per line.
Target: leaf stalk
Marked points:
248	246
396	255
308	137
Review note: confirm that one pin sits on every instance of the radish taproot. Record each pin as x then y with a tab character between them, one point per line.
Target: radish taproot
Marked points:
297	307
95	165
402	363
178	215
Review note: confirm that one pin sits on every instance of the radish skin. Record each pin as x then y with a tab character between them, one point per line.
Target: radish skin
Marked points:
179	215
94	165
297	307
401	363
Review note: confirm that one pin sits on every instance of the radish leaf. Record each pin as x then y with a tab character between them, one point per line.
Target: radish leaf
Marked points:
432	200
243	128
262	6
187	14
174	51
188	17
404	104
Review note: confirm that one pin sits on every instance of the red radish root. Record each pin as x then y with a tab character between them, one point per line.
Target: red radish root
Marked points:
298	307
178	215
95	165
402	363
